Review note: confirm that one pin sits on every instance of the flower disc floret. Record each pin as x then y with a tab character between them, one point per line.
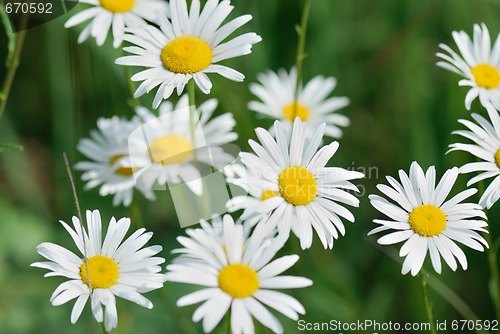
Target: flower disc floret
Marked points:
186	55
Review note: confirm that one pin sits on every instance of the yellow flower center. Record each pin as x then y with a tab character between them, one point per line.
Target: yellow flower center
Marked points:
238	280
187	55
103	272
427	220
118	6
170	150
486	76
497	158
267	194
301	112
297	185
121	170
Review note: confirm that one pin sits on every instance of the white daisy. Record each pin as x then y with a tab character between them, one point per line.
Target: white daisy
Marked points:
277	93
215	231
290	183
239	276
486	138
116	14
107	148
115	270
421	217
187	47
479	65
164	150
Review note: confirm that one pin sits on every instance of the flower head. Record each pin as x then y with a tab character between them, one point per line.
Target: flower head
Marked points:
238	273
116	14
421	216
109	168
107	269
187	47
277	94
486	137
479	64
292	188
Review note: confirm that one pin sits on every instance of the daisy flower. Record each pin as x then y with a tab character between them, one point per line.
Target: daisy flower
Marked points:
479	64
107	270
290	184
107	148
277	94
116	14
486	138
215	231
422	217
165	152
239	277
187	47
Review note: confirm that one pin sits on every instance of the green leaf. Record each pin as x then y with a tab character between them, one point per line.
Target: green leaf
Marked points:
4	148
11	36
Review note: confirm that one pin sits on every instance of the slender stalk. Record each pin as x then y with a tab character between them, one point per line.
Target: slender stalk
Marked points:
302	32
428	306
134	102
104	331
13	64
229	321
130	86
136	215
492	260
495	277
192	112
79	212
205	200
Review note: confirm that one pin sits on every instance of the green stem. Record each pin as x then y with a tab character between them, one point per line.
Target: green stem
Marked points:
302	32
13	64
134	102
192	112
229	321
104	331
136	215
492	260
428	306
495	277
205	200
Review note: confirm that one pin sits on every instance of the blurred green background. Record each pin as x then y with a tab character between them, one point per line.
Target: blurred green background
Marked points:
403	108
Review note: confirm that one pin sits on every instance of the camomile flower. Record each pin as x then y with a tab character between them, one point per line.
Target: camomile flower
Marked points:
105	270
116	15
292	188
479	64
486	137
214	230
239	278
187	47
107	148
419	214
164	150
277	94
